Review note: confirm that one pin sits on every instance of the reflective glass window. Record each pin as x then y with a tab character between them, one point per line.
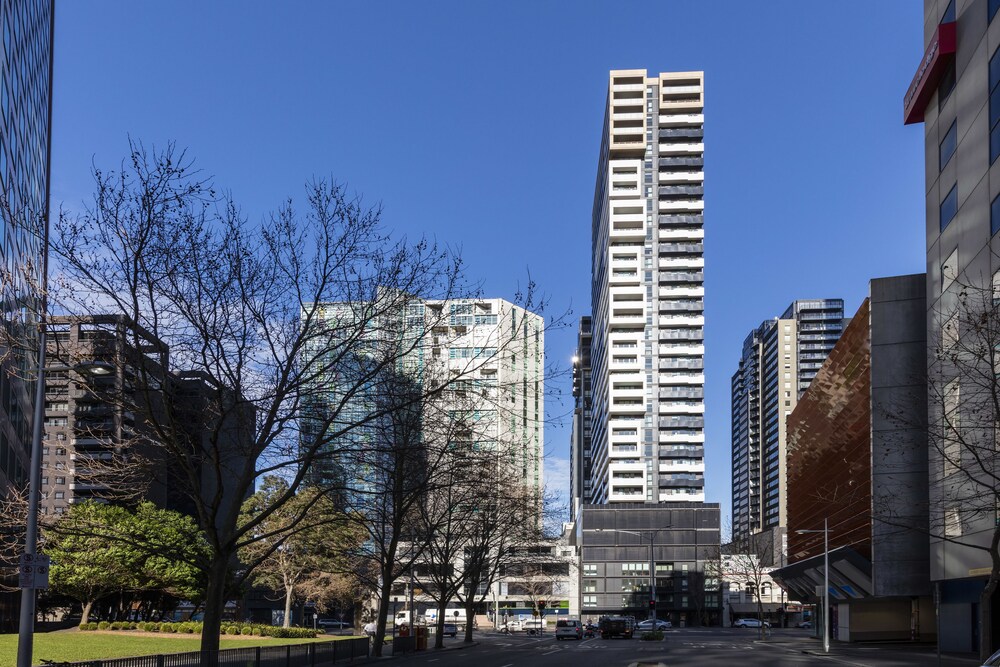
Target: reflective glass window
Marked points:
948	145
949	206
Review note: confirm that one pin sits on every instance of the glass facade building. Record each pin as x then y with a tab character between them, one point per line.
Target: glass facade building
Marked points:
25	128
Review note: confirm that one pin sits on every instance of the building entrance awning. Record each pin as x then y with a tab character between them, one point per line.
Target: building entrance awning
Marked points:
850	577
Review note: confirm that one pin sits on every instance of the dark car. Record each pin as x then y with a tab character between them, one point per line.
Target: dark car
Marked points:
450	629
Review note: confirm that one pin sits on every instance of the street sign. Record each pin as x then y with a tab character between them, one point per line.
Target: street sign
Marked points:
33	571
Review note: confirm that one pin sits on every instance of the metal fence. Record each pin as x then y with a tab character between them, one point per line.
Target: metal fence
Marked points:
317	654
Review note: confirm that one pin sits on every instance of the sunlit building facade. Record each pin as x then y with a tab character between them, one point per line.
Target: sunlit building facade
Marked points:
648	292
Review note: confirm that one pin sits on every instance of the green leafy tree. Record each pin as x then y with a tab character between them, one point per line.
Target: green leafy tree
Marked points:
99	549
87	564
304	538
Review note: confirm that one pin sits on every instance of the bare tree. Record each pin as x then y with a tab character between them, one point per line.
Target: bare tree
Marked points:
962	420
241	306
747	560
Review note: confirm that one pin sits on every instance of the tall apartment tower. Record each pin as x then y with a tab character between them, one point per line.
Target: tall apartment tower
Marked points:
780	358
955	93
648	292
580	460
491	350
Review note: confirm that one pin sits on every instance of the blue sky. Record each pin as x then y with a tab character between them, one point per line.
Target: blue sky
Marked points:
479	124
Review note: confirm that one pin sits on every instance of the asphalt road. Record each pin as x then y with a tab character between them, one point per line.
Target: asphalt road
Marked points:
688	646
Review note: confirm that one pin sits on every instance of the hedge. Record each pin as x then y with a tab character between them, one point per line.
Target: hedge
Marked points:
194	628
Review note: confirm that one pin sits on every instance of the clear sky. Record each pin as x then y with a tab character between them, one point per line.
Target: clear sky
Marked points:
478	123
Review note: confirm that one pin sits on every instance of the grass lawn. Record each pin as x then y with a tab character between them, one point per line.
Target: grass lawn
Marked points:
74	646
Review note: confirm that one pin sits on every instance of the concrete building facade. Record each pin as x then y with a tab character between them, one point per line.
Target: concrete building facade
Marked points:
954	93
857	462
619	543
779	360
648	292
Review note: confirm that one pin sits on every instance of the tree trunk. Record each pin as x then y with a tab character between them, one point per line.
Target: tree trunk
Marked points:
215	604
986	617
289	590
470	604
383	612
87	606
439	638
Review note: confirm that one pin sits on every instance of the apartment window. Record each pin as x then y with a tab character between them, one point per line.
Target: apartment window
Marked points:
949	333
948	145
590	570
589	585
949	206
949	270
60	495
952	428
952	522
949	13
45	481
60	480
994	106
589	600
996	288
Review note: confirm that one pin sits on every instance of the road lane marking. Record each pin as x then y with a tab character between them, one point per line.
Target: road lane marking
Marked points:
552	651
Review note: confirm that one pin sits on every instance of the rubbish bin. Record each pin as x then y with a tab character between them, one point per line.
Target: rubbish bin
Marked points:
421	637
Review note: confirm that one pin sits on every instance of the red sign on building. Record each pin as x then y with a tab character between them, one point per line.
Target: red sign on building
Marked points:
940	52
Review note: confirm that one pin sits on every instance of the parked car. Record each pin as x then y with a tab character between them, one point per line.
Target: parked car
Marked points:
804	624
330	624
617	626
569	629
750	623
450	629
649	625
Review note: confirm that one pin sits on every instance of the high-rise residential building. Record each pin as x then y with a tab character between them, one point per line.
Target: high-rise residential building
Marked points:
648	292
955	92
25	140
99	438
780	358
490	351
580	460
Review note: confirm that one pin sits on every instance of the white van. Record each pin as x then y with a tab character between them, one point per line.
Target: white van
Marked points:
454	615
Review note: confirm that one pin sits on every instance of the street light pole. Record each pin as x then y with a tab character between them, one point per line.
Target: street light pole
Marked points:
826	586
826	580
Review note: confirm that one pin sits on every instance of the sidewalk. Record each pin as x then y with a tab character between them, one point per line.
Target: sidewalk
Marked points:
879	654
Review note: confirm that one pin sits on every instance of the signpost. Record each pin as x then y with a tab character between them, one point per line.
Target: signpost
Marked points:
33	571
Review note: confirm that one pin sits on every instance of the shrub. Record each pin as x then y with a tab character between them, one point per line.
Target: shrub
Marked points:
258	631
168	627
87	627
103	625
152	627
133	625
246	630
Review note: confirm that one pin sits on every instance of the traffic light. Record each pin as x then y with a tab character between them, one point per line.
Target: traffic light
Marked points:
541	604
652	604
